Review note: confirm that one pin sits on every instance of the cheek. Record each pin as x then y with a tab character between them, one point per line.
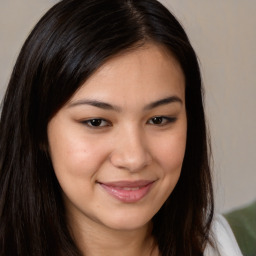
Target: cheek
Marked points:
75	156
76	163
169	157
171	152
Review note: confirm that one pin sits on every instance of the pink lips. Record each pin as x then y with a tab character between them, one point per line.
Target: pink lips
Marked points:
128	191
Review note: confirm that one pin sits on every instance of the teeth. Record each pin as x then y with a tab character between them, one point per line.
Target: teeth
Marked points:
131	188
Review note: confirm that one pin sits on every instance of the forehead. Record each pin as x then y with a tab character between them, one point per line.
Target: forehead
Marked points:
143	73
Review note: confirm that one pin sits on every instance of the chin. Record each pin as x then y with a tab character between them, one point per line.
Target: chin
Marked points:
128	222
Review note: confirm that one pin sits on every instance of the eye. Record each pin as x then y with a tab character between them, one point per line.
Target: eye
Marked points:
96	122
161	120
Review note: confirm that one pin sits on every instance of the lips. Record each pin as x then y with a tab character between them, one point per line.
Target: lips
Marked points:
128	191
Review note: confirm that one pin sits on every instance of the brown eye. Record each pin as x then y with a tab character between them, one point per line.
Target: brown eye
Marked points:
157	120
161	120
96	122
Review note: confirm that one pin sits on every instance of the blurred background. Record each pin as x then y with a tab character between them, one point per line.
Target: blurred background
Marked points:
223	33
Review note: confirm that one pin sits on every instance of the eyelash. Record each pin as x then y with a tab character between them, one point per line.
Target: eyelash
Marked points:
99	121
164	120
167	120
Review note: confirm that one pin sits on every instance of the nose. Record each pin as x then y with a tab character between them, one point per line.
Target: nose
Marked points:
131	152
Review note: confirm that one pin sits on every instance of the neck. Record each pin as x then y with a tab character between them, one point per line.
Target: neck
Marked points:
95	239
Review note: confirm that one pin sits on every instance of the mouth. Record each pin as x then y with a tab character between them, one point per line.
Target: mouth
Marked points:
128	191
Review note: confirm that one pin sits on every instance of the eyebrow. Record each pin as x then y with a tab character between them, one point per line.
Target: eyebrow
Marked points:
165	101
96	103
107	106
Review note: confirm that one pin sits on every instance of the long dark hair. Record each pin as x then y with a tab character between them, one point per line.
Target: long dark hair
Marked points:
68	44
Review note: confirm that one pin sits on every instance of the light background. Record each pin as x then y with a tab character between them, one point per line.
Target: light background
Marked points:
223	33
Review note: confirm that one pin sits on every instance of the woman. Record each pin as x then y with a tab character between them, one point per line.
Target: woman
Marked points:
103	139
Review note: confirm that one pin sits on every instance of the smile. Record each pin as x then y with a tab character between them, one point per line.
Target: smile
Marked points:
128	192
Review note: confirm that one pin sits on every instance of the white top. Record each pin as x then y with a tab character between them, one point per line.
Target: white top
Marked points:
224	239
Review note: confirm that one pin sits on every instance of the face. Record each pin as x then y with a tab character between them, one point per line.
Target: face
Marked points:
117	146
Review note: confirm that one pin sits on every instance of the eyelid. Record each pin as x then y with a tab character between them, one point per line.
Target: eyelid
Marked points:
105	122
167	119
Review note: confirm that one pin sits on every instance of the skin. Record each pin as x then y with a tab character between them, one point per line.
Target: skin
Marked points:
128	144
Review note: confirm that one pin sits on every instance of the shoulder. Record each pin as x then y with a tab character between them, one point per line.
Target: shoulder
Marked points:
223	238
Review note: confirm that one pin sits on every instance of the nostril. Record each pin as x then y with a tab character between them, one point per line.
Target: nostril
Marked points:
131	160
